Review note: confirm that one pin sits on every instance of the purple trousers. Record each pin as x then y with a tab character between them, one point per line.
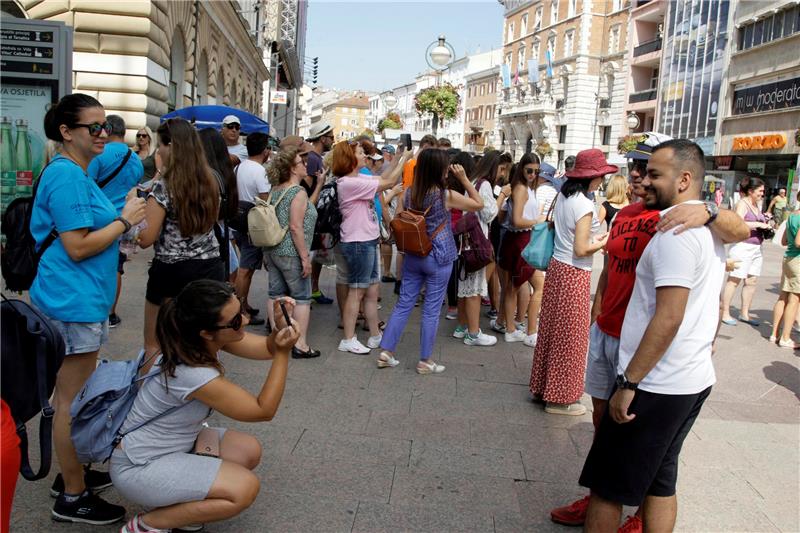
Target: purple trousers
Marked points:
418	271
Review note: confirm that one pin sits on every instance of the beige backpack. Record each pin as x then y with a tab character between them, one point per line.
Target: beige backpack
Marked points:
262	222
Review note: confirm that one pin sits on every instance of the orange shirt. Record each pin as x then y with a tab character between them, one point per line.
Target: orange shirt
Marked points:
408	173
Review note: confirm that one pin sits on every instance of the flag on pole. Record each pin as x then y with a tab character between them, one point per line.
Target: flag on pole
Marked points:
549	59
505	72
533	71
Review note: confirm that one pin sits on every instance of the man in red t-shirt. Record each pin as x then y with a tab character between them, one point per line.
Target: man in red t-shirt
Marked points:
631	231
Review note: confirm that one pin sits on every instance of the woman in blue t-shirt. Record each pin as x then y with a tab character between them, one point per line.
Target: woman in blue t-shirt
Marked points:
76	282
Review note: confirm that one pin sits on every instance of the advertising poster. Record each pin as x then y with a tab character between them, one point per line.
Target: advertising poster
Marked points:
22	109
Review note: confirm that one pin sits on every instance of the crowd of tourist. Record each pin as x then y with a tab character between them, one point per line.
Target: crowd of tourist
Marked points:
641	348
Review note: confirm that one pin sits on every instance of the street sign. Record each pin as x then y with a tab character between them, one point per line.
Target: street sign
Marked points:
13	50
36	36
279	97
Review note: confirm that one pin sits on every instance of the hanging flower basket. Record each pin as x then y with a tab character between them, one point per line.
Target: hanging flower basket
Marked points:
629	142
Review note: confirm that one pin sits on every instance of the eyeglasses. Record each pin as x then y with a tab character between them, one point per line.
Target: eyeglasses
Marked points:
233	126
142	136
532	171
236	322
95	128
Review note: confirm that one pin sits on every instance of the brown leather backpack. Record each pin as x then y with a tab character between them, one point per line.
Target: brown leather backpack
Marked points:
411	232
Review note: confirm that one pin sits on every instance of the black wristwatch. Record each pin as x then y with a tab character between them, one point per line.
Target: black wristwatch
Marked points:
127	224
623	383
713	210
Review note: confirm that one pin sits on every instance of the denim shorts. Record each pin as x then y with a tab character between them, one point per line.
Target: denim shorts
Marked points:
342	272
286	278
82	337
362	263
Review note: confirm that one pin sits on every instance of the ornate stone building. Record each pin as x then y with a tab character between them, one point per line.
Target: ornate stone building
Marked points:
143	58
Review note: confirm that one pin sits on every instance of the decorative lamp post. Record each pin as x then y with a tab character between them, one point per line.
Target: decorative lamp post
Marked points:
440	54
632	121
390	101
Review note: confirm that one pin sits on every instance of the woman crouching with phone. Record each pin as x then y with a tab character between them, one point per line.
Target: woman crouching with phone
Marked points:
184	471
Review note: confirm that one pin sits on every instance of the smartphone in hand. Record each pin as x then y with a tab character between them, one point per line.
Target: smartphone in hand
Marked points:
405	138
285	313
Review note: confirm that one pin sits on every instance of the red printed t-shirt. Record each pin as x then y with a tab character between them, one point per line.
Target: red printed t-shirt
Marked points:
632	229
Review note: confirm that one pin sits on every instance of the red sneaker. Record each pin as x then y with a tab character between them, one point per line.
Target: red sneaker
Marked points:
573	514
632	524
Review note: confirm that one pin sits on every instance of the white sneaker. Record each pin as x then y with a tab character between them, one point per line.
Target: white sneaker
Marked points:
452	313
481	339
516	336
375	342
530	340
460	332
352	346
429	368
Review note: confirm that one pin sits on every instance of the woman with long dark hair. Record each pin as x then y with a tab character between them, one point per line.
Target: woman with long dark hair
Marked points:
522	213
559	360
182	209
76	282
219	160
156	466
468	164
746	254
428	195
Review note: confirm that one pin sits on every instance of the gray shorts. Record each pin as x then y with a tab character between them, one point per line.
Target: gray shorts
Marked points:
286	279
601	365
173	478
82	337
250	257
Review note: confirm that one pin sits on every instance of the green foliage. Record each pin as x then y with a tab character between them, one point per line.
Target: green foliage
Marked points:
368	133
629	142
442	101
543	149
391	121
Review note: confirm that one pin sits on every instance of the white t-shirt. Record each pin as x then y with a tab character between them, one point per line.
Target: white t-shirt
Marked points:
251	180
695	259
531	209
545	194
239	150
566	214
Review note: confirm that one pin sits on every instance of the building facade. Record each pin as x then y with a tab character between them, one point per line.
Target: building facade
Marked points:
646	32
759	130
144	59
563	77
480	108
347	115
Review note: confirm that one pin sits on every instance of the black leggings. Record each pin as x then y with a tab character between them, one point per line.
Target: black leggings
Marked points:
452	287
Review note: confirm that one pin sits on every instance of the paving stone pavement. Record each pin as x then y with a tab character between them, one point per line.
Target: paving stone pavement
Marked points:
355	448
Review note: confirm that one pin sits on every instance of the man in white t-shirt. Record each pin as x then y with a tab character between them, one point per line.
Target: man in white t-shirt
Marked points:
251	180
231	126
665	371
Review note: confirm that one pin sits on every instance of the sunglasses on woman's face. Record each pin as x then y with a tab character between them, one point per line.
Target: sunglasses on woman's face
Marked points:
95	128
532	171
142	136
236	322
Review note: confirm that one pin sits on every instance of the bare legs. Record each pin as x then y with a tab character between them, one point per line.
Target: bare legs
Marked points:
72	375
748	291
233	491
535	303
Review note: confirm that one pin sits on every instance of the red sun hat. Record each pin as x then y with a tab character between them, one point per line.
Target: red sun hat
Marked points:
590	164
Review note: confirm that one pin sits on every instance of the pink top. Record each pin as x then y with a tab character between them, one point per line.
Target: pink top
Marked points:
356	202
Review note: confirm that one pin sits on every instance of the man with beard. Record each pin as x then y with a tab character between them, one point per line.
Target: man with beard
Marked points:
631	231
664	372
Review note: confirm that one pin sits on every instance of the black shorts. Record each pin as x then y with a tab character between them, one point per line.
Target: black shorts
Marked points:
166	280
121	263
640	458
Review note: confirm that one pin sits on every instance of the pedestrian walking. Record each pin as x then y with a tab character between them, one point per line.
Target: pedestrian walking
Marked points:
785	309
665	368
290	260
560	355
428	195
182	209
747	253
76	282
179	469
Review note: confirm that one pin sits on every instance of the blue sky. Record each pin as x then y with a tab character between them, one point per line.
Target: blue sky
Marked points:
377	45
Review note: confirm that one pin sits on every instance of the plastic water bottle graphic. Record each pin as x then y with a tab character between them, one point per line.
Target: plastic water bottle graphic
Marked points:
23	154
8	174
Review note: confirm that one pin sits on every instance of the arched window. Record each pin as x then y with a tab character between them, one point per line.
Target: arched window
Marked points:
202	81
177	70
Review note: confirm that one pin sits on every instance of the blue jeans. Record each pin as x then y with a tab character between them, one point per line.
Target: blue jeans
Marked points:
416	272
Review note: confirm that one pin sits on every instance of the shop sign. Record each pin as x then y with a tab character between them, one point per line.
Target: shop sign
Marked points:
279	97
759	142
756	168
776	95
723	162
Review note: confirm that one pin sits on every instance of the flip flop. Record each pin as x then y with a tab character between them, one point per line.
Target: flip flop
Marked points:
729	321
750	321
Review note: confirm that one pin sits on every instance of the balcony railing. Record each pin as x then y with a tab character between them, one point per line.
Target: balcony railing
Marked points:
476	124
642	96
647	47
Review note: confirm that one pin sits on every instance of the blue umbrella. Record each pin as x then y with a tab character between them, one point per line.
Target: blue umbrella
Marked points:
210	116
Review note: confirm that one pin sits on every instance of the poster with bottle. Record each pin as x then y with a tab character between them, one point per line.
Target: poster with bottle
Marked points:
22	109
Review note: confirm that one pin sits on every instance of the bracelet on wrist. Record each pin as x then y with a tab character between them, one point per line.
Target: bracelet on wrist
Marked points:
125	223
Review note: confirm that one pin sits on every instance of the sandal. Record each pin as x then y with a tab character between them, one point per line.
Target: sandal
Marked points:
381	326
387	360
429	368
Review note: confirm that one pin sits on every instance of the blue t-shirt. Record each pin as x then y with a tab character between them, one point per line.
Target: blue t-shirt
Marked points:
67	290
378	210
104	164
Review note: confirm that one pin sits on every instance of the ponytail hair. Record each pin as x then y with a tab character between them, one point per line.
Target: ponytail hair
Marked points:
750	183
181	319
66	112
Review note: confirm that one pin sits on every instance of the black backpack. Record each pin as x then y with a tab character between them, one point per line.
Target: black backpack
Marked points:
20	259
329	217
32	352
